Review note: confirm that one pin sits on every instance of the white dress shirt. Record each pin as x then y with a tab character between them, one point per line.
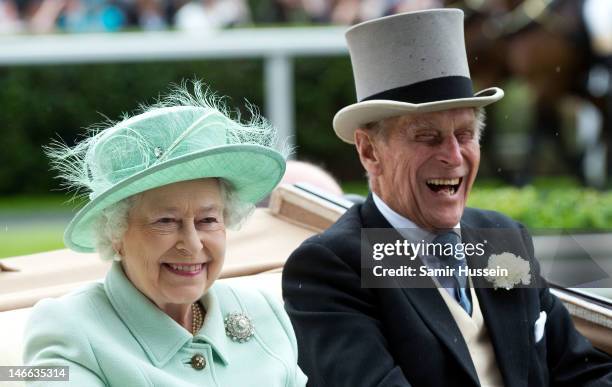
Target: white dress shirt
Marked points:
409	230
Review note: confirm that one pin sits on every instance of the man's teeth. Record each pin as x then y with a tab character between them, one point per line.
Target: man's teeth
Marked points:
443	181
186	267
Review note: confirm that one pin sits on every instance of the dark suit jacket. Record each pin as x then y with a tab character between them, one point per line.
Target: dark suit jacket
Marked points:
353	336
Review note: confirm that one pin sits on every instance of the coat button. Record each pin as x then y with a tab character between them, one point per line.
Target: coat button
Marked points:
198	361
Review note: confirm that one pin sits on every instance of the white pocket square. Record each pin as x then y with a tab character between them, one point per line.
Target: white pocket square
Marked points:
538	328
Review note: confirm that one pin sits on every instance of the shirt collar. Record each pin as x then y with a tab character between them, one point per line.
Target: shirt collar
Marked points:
406	227
159	335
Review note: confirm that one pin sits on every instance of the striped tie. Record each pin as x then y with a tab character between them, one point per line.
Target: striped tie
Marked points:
459	280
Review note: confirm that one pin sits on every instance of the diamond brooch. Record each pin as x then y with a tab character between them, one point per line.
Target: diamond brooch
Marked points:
239	327
158	152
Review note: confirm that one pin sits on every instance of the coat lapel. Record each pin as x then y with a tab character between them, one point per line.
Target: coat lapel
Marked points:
505	316
428	302
432	309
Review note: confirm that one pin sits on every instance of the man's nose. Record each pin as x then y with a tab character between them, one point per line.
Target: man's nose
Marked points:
450	152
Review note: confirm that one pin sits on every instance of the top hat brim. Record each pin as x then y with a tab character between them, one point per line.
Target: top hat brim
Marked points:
252	170
361	113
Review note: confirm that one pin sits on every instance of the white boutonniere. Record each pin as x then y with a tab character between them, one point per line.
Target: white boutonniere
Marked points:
516	268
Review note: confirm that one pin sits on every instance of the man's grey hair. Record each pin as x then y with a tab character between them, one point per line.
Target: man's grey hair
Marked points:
379	129
481	118
112	222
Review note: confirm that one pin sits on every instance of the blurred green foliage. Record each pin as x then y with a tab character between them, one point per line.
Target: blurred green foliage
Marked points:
34	239
42	103
37	204
572	208
550	203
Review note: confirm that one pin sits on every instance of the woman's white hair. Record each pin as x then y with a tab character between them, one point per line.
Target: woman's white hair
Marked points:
112	223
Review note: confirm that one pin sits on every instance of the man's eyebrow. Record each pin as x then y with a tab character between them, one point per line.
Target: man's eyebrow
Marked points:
421	123
469	124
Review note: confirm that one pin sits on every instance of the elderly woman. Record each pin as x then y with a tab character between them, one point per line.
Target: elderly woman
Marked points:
163	186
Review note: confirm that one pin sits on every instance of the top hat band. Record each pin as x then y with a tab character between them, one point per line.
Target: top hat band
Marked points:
431	90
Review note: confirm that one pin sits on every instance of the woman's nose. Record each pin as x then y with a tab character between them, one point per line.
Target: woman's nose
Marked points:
190	238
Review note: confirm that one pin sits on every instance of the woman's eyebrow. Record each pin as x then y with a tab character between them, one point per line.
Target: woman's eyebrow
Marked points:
169	209
175	209
209	208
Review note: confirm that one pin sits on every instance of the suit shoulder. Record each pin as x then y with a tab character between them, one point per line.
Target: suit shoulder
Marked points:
478	218
344	234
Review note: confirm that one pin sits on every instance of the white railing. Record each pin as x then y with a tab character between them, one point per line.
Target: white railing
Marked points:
276	46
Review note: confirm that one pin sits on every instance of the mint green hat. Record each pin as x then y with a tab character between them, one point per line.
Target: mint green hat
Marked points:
193	139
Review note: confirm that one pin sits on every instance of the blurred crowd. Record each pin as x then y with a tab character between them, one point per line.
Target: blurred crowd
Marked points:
44	16
341	12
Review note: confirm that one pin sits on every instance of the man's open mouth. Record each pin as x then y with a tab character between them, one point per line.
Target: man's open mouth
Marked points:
449	186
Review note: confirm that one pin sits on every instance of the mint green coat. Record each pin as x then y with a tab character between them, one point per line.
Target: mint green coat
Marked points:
110	334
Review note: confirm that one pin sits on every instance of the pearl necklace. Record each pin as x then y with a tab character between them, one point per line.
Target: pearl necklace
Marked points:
197	318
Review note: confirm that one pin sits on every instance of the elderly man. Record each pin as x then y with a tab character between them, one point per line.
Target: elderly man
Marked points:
416	128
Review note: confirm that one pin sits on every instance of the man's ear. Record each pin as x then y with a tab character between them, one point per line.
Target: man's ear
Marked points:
368	151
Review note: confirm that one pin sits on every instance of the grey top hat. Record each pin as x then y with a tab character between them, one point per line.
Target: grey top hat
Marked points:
410	62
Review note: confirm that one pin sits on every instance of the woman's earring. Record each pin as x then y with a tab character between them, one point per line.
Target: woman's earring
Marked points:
116	257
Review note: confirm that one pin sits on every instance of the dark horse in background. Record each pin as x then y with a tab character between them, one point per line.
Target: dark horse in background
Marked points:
547	44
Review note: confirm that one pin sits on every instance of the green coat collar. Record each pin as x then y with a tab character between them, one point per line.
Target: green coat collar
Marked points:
159	335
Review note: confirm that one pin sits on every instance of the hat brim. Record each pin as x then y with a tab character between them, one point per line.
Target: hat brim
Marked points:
252	170
358	114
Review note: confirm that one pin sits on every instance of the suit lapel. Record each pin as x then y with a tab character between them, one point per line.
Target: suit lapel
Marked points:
428	302
432	309
505	316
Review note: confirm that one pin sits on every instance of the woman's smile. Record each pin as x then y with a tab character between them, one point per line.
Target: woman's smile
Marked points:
186	270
